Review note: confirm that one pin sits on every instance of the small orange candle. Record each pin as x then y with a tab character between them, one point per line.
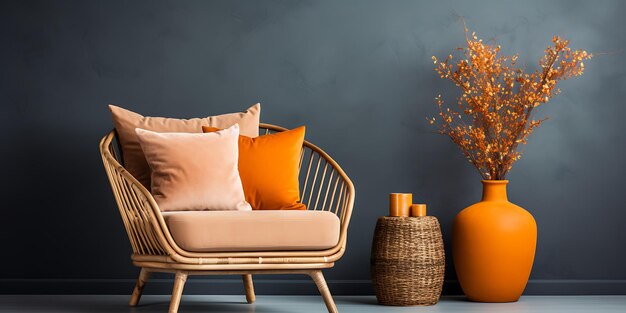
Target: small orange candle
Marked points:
418	210
400	204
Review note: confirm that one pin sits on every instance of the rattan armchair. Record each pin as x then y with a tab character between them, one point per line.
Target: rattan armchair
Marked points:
324	186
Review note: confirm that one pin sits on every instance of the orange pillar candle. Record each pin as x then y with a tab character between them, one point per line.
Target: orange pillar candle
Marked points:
400	204
418	210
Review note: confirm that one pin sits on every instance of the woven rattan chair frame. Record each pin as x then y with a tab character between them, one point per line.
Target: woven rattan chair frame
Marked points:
324	186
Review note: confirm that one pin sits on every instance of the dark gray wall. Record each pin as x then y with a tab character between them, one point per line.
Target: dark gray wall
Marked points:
357	73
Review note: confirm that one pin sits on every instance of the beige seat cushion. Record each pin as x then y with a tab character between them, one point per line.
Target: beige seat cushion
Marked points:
264	230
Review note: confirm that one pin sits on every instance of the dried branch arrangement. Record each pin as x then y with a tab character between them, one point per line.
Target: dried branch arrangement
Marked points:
495	109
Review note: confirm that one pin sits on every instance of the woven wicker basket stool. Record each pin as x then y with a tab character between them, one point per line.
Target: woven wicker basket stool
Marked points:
408	260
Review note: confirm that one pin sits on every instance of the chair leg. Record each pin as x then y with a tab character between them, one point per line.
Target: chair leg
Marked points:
320	282
247	283
179	284
141	282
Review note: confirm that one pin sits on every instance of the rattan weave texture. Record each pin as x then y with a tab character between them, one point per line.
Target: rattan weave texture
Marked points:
408	260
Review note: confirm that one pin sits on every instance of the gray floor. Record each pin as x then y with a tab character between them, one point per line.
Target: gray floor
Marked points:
302	304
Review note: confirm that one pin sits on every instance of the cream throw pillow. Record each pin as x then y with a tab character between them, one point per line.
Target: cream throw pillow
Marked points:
194	172
126	121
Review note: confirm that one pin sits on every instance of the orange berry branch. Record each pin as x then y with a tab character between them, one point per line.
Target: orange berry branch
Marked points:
495	108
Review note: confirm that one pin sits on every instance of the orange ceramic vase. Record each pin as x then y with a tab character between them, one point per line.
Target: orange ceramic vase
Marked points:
493	246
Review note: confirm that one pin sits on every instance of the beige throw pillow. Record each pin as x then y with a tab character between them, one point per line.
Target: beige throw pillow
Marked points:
194	172
126	121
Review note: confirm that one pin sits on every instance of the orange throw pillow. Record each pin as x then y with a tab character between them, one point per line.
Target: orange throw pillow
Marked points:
268	166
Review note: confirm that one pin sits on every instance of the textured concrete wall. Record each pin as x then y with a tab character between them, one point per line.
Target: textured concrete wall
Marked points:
357	73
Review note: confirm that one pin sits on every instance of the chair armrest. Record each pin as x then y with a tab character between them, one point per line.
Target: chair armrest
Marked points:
327	187
140	213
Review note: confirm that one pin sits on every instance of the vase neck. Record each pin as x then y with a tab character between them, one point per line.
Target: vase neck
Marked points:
494	190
